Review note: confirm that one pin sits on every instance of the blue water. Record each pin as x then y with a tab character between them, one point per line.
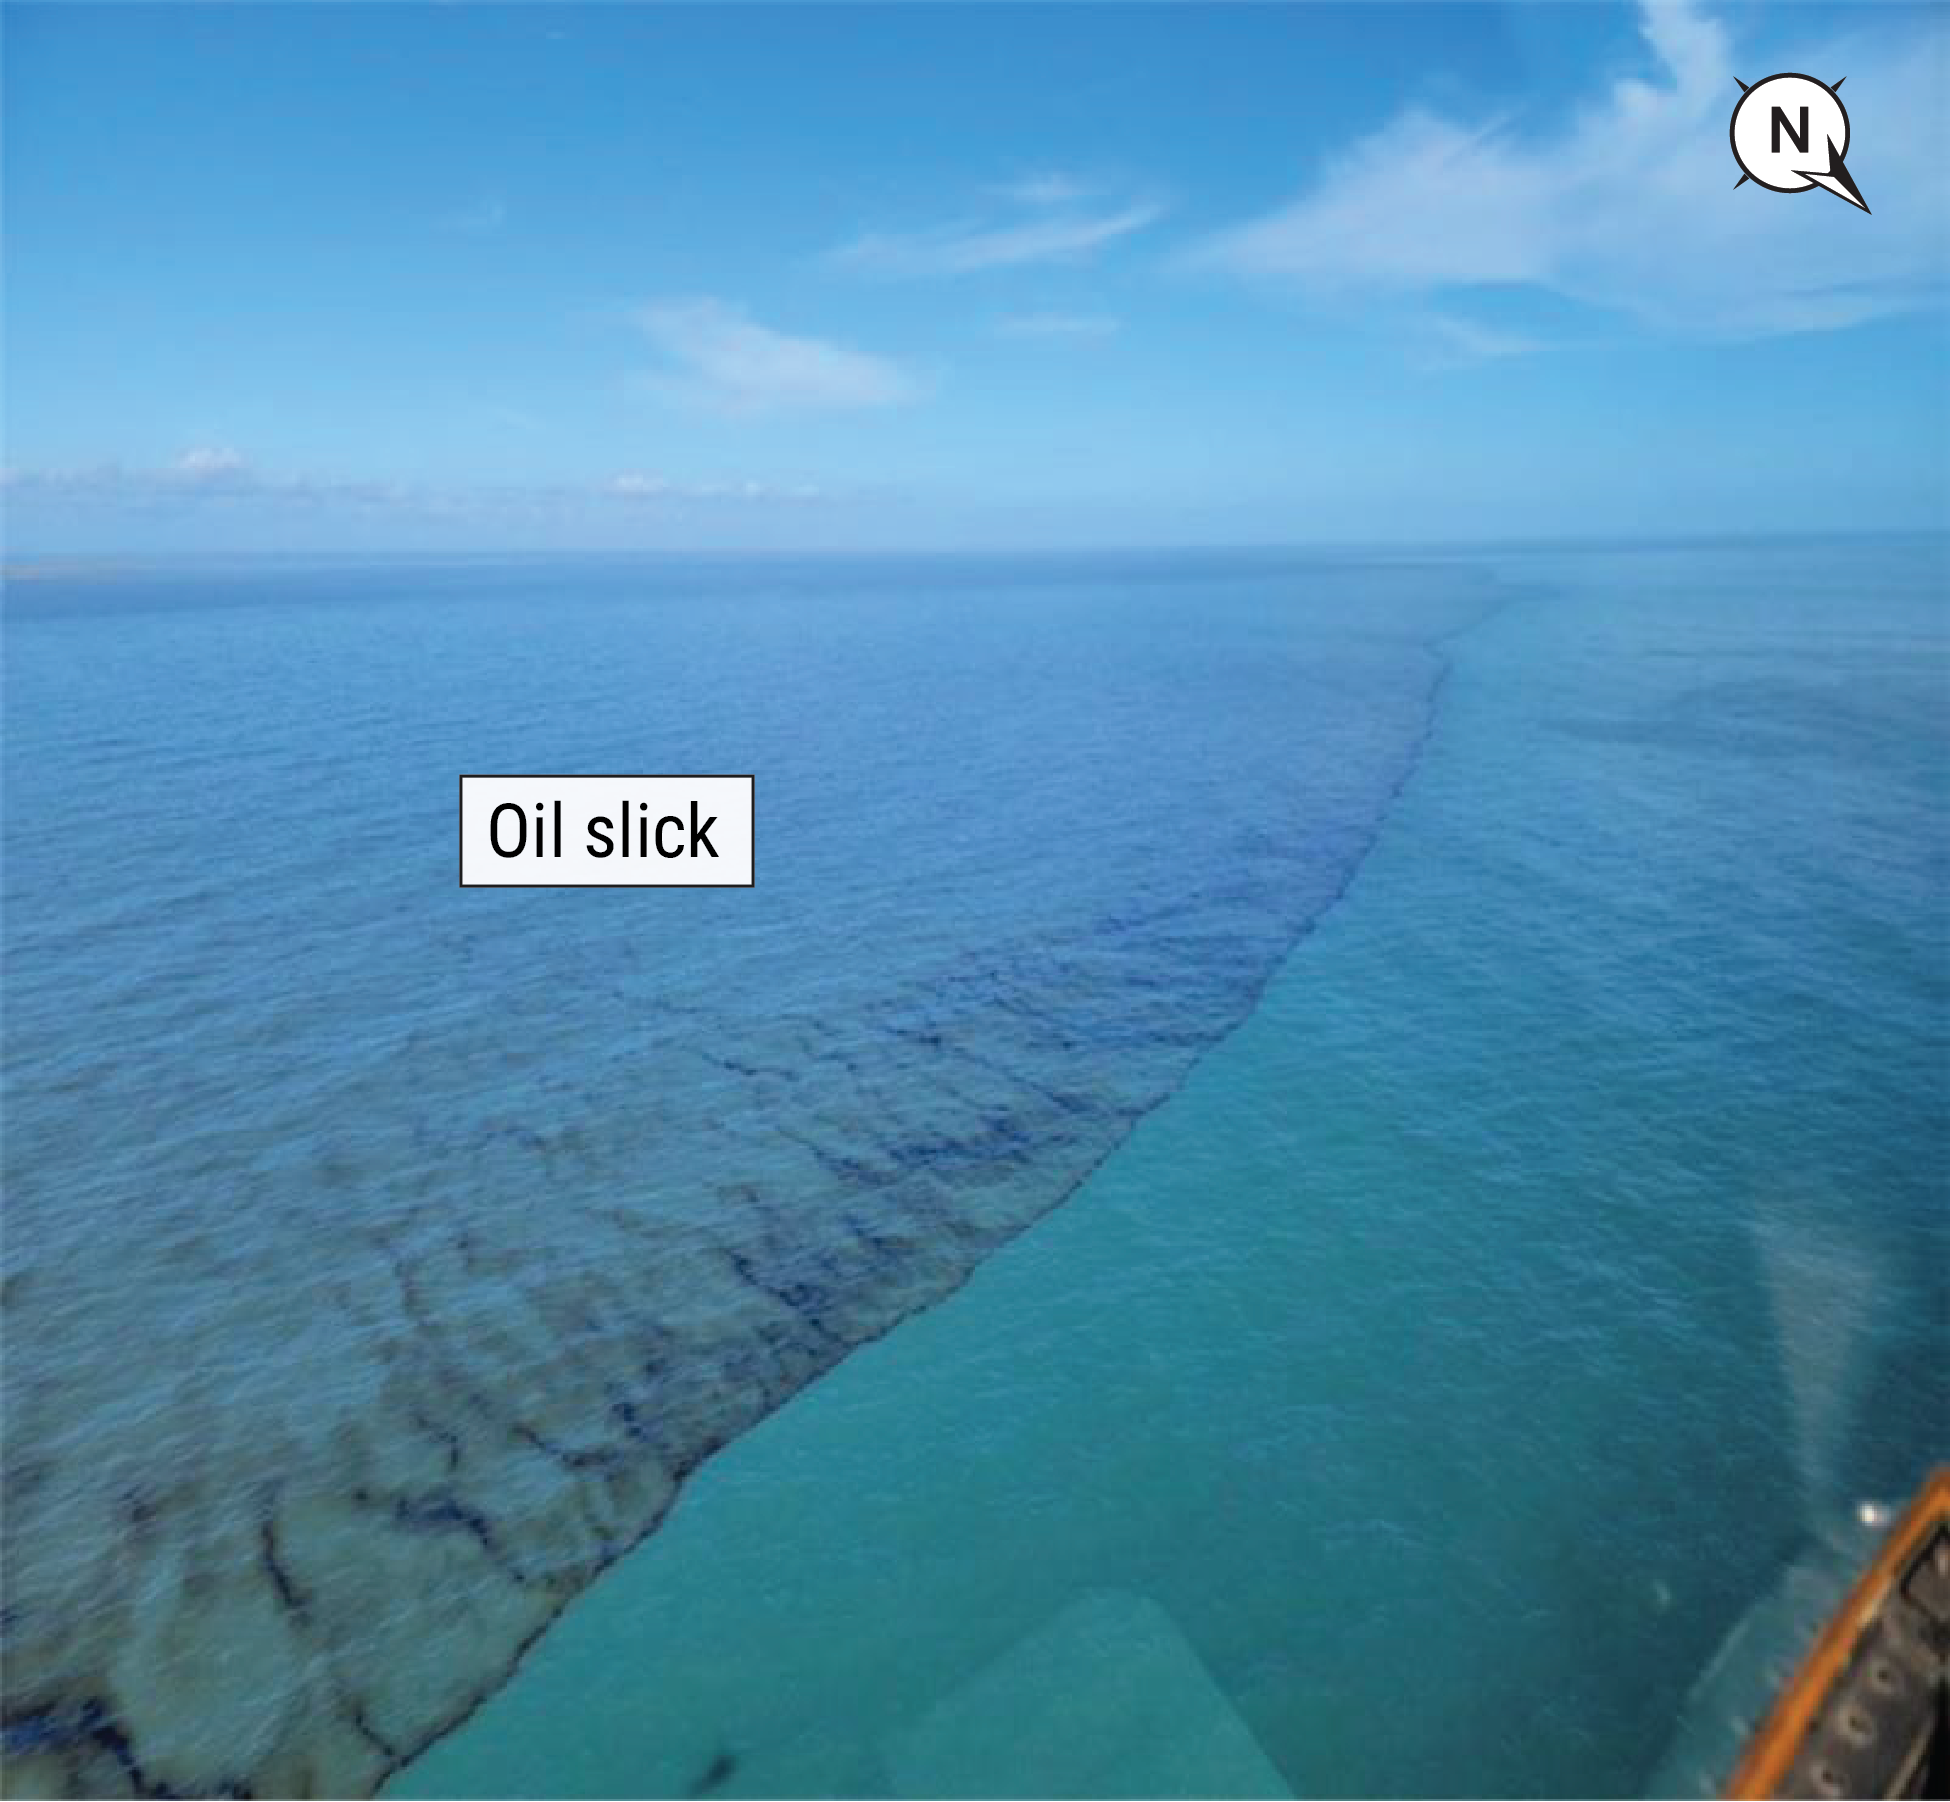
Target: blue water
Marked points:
1526	975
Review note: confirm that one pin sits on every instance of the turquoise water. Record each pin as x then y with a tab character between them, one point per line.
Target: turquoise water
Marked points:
1495	1008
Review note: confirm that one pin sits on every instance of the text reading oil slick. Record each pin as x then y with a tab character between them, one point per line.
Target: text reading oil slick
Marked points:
606	832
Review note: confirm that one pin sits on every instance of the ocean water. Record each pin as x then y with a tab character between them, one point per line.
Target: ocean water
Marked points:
1301	1175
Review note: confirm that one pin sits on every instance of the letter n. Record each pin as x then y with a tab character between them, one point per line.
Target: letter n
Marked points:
1781	124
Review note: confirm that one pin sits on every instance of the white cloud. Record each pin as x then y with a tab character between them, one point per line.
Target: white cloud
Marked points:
210	464
1461	341
512	419
1046	189
634	486
718	358
638	487
206	478
1057	325
480	218
1049	234
1632	204
209	470
206	474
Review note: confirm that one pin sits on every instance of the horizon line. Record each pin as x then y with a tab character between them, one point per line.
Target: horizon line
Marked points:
26	565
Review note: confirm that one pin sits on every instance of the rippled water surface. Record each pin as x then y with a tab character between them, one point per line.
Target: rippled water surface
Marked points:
1494	1305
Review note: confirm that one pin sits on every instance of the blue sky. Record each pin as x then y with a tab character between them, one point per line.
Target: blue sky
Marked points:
302	277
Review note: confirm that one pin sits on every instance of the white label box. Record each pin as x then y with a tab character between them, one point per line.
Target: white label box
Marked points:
606	831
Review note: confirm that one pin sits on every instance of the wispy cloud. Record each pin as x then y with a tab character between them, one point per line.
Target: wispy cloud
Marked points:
208	464
716	357
477	219
1632	206
1048	226
1057	325
510	419
203	474
1044	189
1454	341
636	486
221	477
